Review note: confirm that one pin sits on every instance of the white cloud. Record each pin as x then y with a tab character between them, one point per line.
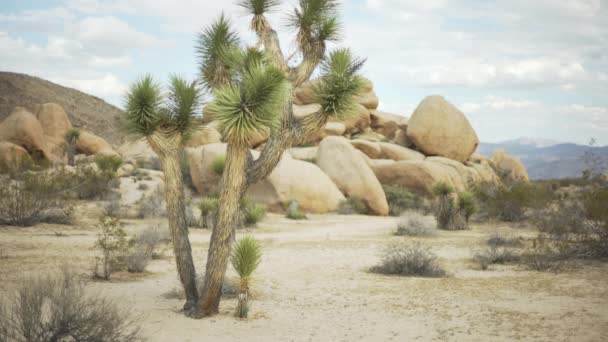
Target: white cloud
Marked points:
106	86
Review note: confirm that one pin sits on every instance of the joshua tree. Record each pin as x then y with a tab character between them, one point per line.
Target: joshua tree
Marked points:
71	138
166	122
253	92
245	259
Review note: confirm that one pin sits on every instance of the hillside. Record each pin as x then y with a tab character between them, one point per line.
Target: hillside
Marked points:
560	160
84	110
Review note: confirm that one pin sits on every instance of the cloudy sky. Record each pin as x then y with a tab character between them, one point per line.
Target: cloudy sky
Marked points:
534	68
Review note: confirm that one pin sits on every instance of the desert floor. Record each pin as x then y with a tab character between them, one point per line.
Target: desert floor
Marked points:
313	285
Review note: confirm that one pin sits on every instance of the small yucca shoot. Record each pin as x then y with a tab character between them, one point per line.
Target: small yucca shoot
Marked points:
245	258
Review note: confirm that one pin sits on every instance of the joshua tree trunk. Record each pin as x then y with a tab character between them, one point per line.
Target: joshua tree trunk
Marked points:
167	146
234	186
243	300
71	152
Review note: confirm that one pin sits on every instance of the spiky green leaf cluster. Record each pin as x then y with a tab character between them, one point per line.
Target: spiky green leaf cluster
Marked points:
251	105
316	22
72	135
442	189
246	256
339	84
143	103
184	99
258	7
147	109
211	48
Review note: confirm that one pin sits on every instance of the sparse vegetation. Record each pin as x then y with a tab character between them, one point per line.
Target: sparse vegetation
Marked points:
108	164
415	224
252	212
27	198
509	202
113	245
56	308
207	206
503	240
151	205
400	199
353	206
294	212
217	165
405	259
245	258
494	254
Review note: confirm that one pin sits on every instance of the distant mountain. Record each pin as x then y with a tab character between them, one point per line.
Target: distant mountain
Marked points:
545	159
84	110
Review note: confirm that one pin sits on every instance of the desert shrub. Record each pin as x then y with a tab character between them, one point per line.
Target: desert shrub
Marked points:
254	213
93	184
409	260
108	164
400	199
56	308
467	204
509	202
217	165
415	224
113	245
138	259
494	254
545	255
502	240
111	207
452	212
294	211
352	206
27	198
207	206
144	248
151	205
143	187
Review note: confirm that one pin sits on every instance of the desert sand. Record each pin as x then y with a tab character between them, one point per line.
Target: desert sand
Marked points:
313	285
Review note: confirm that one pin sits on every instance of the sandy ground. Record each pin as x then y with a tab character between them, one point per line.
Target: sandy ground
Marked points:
313	285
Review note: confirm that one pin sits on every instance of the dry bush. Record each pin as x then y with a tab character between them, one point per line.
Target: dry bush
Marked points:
409	260
27	198
415	224
545	255
503	240
111	207
113	245
152	205
57	309
494	254
294	211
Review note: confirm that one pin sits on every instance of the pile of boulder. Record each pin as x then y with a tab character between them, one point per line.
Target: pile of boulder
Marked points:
348	158
41	134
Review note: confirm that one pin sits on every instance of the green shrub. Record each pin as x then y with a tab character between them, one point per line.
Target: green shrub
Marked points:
217	165
400	199
93	184
351	206
509	202
409	260
294	212
467	204
246	257
108	164
253	213
207	206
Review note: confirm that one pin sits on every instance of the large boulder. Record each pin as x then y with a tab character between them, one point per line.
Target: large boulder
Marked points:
396	152
11	154
22	128
304	153
387	124
91	144
469	175
291	179
368	100
401	138
418	175
345	166
305	110
510	167
139	153
55	123
200	161
333	128
297	180
359	121
204	136
438	128
370	148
